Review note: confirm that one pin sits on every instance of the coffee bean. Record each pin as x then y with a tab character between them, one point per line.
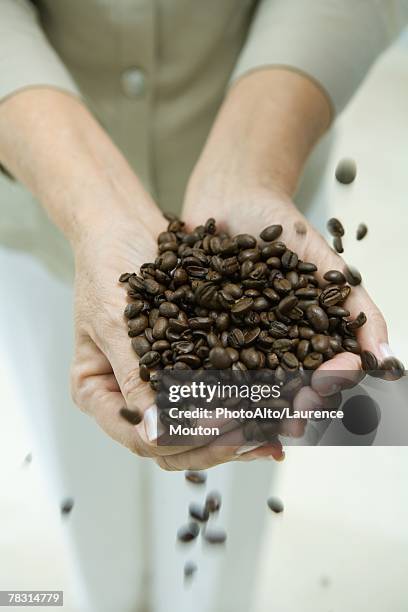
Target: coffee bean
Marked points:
131	416
215	535
236	338
351	345
313	361
320	343
368	361
346	171
190	568
335	276
306	267
213	502
302	349
242	306
337	311
137	325
133	309
353	276
271	232
144	373
290	360
220	358
318	318
335	227
357	322
251	358
361	231
150	359
289	260
188	532
168	309
160	328
287	303
67	504
333	294
195	477
198	512
338	244
140	345
123	278
245	241
275	504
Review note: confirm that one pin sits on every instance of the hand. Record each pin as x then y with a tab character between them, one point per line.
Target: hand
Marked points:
251	210
105	372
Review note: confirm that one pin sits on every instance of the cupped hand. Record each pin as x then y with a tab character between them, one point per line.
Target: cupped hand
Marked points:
250	211
105	371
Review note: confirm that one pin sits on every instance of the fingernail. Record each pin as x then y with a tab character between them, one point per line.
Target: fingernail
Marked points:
385	350
154	428
247	448
334	388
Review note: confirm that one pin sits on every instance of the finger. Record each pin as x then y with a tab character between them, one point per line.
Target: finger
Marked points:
342	372
227	448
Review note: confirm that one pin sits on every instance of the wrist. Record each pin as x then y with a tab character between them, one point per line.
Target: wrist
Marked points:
267	126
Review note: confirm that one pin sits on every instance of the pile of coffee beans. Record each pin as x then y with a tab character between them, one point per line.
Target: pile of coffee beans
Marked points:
215	301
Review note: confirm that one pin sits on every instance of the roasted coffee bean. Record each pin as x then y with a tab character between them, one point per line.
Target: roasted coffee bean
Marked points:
144	373
235	291
140	345
317	318
222	321
312	361
215	535
333	294
306	293
302	349
150	359
131	416
271	295
195	477
351	345
251	358
253	255
137	325
233	353
272	360
219	358
289	260
346	171
167	261
338	244
278	329
270	233
275	504
361	231
251	335
335	276
151	286
338	311
66	506
204	323
123	278
290	360
282	285
357	322
213	502
305	267
306	333
274	262
242	306
283	344
368	361
133	309
168	309
188	532
287	303
198	512
160	345
353	276
335	227
190	568
160	328
320	343
245	241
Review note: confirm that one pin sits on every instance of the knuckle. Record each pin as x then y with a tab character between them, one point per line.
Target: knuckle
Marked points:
164	463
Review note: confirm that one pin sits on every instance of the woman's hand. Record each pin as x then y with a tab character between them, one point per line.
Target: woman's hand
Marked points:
239	209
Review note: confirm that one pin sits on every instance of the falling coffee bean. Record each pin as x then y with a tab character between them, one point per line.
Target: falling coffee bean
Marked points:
190	569
335	227
338	244
352	275
275	504
197	478
67	506
131	416
198	512
188	533
346	171
213	502
215	535
361	231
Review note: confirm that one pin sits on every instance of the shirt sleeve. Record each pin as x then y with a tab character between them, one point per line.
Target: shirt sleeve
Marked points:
26	57
333	42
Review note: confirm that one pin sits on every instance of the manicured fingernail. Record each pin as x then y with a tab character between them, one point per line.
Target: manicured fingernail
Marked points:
334	388
247	448
385	350
154	428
